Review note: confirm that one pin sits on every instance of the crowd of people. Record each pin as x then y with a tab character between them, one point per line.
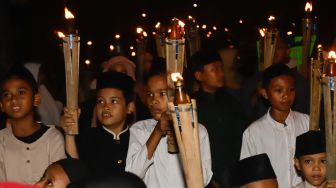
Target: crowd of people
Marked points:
252	133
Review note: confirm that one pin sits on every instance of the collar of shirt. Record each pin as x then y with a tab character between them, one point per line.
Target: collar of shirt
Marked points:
308	185
116	136
277	125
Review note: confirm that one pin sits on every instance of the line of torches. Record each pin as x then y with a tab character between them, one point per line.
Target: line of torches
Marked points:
173	48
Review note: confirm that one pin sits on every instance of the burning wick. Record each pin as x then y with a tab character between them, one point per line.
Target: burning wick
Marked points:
176	77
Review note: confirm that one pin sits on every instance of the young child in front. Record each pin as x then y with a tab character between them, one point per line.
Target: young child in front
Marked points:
27	147
104	148
311	160
147	153
276	131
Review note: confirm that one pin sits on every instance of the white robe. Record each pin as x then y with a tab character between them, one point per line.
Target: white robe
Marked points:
163	169
277	140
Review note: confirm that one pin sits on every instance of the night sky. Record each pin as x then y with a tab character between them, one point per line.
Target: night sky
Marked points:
35	21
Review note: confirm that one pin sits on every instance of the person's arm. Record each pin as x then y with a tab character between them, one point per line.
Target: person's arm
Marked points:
67	121
142	147
205	154
248	147
160	131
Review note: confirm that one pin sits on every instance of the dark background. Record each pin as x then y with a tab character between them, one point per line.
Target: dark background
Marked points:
27	27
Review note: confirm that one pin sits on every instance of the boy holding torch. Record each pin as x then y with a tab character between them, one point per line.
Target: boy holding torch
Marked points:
147	154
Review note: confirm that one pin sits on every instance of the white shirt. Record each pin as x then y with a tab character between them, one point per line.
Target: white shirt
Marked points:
277	140
26	163
163	169
304	184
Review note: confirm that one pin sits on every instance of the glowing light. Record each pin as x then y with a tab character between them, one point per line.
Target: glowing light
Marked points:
111	47
157	25
240	21
190	17
89	43
262	32
289	33
133	54
144	33
319	46
195	5
204	26
169	30
226	29
88	62
68	14
117	36
308	7
60	34
153	33
271	18
214	28
131	47
332	55
139	30
181	23
197	26
143	15
176	76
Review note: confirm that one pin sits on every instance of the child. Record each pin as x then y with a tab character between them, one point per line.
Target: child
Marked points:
221	113
310	159
28	146
104	149
63	172
253	172
147	153
275	132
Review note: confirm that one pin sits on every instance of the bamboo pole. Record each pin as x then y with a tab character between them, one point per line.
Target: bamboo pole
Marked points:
315	94
269	47
330	123
71	59
160	45
187	134
307	32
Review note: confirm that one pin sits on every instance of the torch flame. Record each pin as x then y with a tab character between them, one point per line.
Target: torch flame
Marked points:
176	76
139	30
60	34
332	55
308	7
181	23
68	14
157	25
271	18
262	32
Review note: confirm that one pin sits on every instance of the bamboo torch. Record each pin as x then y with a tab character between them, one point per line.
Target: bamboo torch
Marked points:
159	41
71	60
307	24
141	44
329	97
184	115
175	55
269	43
260	48
315	91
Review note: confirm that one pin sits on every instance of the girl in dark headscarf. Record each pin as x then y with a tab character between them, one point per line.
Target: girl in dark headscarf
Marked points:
62	173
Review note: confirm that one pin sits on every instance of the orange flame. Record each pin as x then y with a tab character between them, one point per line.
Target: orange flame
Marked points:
157	25
262	32
139	30
271	18
60	34
332	55
176	76
308	7
181	23
68	14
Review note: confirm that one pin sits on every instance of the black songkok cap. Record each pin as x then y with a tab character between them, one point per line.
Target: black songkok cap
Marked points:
251	169
275	70
309	143
202	58
74	168
116	80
